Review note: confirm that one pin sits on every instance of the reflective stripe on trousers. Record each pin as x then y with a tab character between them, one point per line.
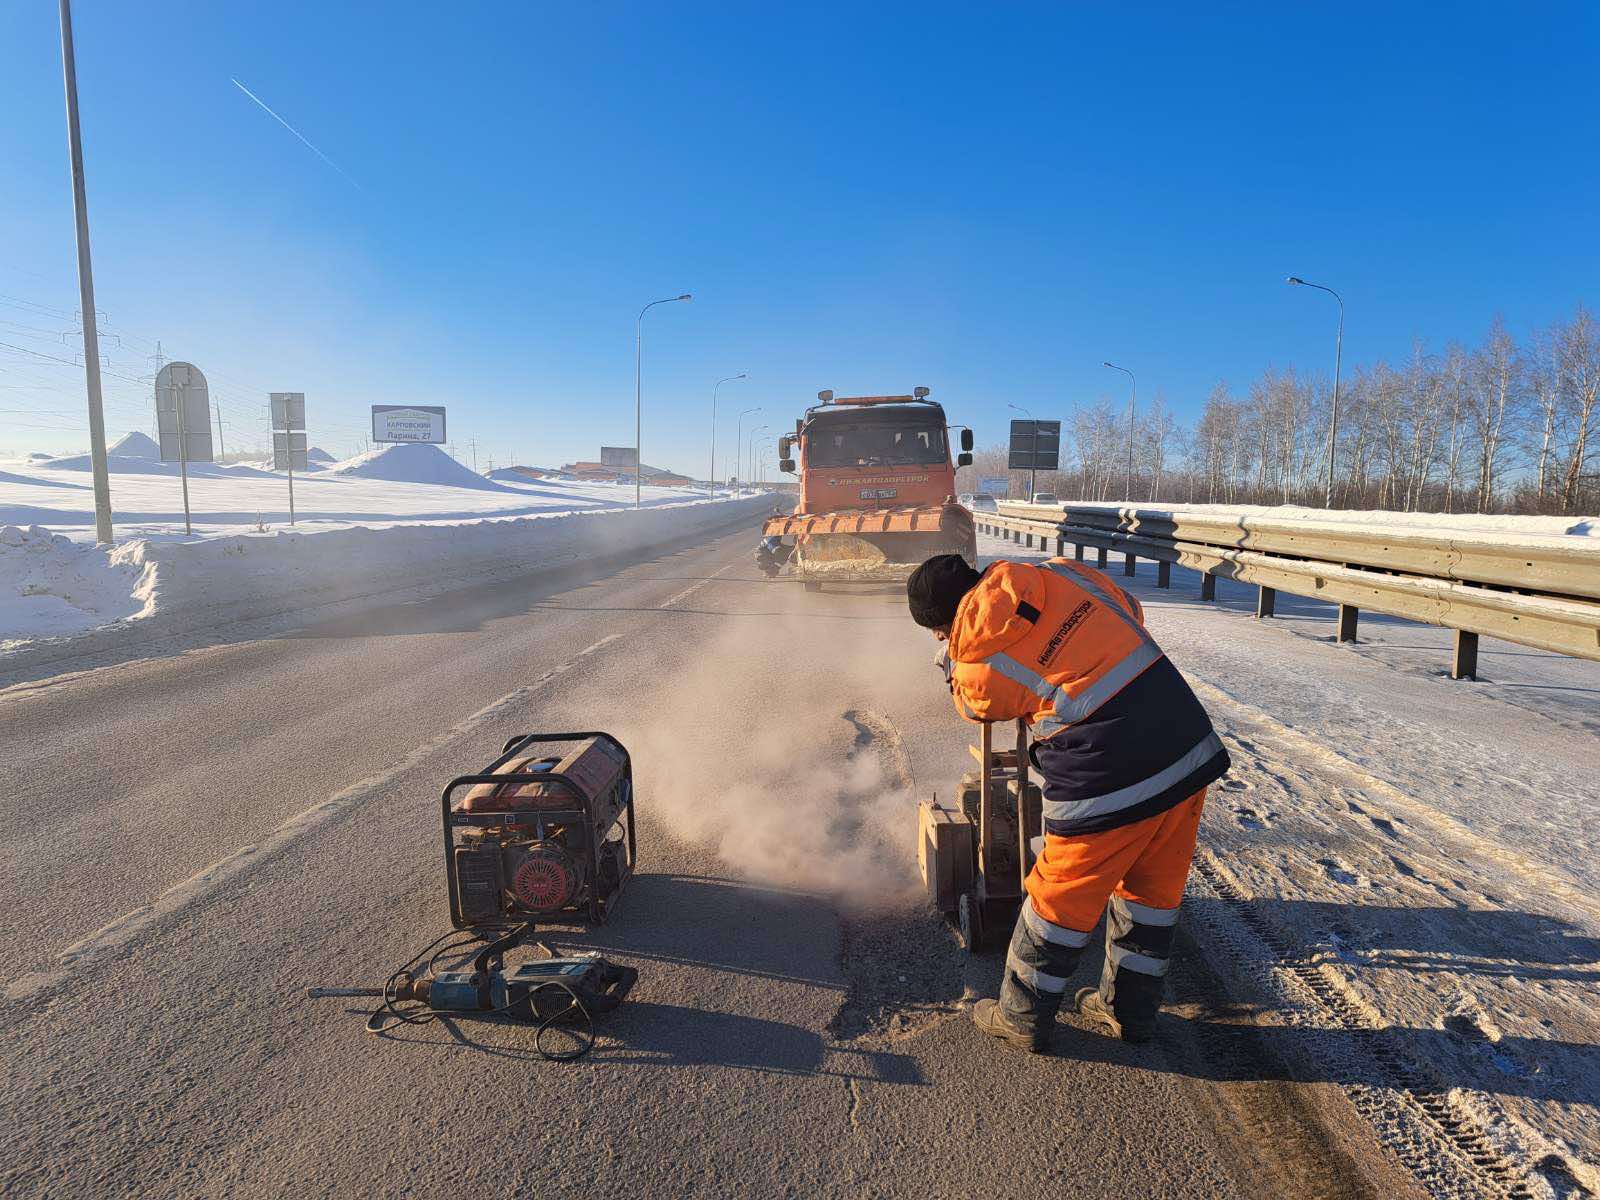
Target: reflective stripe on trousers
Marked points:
1138	949
1039	964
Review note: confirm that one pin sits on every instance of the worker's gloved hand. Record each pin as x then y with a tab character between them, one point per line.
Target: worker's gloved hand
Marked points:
942	661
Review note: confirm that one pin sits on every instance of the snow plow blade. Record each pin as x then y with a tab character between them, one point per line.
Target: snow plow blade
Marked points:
874	545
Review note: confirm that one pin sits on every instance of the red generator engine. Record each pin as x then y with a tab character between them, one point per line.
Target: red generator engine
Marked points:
536	834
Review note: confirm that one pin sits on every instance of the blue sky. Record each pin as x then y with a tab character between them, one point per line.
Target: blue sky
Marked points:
989	201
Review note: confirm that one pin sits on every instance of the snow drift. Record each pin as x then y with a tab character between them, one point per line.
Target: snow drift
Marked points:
55	586
412	462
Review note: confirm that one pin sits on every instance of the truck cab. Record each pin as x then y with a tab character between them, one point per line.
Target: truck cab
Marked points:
877	488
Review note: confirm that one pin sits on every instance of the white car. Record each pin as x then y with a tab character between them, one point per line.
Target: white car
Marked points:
977	503
1045	498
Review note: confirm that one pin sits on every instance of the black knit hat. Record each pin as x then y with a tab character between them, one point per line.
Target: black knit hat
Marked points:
935	589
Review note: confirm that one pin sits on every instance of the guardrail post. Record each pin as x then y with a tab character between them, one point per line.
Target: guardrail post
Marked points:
1266	601
1348	615
1208	586
1163	574
1077	551
1464	663
1100	557
1128	561
1061	547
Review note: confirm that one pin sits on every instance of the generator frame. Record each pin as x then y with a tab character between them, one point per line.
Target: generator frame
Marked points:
596	909
958	855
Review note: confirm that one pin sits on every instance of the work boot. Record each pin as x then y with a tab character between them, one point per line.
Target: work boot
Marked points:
989	1017
1093	1005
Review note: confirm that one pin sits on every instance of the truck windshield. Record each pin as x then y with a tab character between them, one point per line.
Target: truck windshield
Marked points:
875	446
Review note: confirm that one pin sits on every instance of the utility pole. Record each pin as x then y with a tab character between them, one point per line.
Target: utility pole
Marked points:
91	335
155	414
473	442
221	451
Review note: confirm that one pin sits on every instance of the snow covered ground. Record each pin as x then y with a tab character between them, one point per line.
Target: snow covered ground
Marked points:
400	516
390	485
1409	862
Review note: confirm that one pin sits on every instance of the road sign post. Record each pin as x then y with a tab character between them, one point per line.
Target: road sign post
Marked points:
288	417
183	422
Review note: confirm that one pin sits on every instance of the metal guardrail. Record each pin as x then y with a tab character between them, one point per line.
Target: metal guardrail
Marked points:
1539	591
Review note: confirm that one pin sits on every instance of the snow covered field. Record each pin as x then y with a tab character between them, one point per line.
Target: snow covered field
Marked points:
398	516
1401	869
393	484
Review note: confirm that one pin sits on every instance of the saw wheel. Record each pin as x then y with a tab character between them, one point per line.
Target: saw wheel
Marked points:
969	922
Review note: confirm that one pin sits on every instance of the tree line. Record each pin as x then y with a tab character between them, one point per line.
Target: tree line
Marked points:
1499	427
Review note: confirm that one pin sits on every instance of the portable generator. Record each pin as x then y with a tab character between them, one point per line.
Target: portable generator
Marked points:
539	835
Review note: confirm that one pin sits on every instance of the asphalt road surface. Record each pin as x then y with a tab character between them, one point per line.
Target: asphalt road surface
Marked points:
189	841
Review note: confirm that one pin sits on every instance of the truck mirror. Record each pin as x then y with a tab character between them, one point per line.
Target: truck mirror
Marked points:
963	459
966	439
786	465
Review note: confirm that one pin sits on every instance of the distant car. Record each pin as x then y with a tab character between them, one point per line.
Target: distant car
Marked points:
1045	498
978	503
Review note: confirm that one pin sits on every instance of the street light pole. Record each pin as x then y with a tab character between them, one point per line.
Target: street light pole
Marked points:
91	335
1133	402
750	456
713	476
1034	454
638	335
738	442
1338	354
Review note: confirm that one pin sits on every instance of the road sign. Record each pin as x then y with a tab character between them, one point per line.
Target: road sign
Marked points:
288	451
994	485
183	414
1035	446
408	423
619	456
288	410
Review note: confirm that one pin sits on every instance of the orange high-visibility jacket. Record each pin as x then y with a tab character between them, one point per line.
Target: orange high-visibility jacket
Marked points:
1060	646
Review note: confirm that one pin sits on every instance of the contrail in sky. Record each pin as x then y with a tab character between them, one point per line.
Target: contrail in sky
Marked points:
263	105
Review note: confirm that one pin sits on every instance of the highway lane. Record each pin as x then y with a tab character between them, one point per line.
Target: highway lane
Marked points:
798	1028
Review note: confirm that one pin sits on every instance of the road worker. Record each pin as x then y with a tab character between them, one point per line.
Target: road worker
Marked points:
1125	752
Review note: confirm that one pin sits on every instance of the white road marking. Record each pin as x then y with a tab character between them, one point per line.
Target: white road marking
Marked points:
200	886
695	587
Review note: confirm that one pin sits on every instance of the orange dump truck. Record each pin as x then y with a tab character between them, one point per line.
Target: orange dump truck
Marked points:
877	491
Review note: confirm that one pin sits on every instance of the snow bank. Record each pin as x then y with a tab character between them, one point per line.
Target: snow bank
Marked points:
412	462
51	586
145	588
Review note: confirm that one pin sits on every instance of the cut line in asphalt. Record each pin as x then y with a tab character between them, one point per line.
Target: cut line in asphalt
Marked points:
204	883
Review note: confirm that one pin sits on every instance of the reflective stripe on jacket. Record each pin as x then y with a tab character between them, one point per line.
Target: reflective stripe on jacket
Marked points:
1057	644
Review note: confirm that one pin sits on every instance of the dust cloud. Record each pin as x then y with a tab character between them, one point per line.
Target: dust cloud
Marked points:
776	750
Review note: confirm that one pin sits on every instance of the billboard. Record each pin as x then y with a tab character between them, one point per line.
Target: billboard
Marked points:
408	423
619	456
183	413
288	451
1035	446
994	485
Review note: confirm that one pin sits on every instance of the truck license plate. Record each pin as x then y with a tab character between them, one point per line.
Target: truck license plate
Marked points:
878	493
